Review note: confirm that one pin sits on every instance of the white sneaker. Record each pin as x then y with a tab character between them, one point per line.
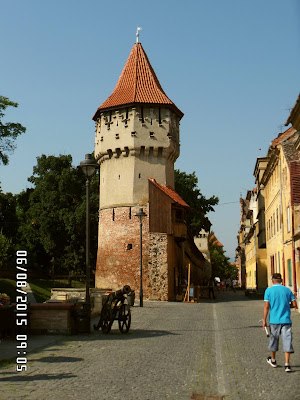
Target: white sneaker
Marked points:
273	364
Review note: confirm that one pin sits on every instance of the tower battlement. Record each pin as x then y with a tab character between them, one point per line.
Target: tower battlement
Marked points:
150	131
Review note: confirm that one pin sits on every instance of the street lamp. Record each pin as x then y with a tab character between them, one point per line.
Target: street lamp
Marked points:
88	166
140	214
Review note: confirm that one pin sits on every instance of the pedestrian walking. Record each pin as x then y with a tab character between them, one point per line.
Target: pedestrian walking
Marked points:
211	288
277	301
222	286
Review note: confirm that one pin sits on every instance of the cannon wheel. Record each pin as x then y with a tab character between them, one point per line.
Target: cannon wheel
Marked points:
124	318
105	320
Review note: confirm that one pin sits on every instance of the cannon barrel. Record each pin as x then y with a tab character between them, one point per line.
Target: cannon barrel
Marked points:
126	289
118	294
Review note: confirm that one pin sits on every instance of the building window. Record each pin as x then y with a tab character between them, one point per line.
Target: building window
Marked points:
178	215
280	219
277	220
113	214
290	272
129	246
271	227
142	114
274	223
272	265
288	219
129	212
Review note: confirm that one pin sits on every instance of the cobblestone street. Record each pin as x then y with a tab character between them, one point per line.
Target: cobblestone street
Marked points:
172	351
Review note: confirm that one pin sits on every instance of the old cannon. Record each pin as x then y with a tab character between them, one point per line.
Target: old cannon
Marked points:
114	308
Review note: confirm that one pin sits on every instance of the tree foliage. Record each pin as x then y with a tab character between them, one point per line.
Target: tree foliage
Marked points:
9	131
52	215
49	220
5	249
8	214
9	223
186	185
220	264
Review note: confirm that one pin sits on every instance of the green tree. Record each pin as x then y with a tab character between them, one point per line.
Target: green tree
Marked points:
54	214
186	185
9	131
8	214
9	223
5	249
220	264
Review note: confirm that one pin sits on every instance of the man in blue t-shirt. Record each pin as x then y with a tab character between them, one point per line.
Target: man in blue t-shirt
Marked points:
277	301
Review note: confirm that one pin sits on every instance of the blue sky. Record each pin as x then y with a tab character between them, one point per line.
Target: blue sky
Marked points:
231	66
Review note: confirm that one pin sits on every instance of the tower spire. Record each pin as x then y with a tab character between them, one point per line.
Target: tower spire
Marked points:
137	84
137	33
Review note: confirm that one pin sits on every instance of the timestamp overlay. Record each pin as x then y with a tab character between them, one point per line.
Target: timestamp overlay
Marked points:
21	310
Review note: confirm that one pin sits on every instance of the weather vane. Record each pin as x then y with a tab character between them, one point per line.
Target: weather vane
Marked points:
137	33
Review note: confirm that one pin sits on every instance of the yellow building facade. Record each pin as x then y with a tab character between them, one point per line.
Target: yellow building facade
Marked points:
294	171
278	208
256	262
269	241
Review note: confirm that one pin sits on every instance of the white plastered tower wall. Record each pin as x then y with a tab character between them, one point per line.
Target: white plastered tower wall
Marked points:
133	144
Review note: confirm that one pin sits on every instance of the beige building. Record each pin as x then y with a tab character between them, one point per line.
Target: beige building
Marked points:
272	239
294	119
255	256
256	262
201	241
279	208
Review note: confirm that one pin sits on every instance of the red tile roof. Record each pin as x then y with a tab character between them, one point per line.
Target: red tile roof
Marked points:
214	241
170	192
137	84
282	136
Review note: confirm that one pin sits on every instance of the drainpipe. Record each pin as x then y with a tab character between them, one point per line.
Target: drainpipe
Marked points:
294	253
283	268
294	256
281	223
255	256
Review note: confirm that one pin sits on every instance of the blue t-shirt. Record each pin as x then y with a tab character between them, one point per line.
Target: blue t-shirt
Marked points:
279	297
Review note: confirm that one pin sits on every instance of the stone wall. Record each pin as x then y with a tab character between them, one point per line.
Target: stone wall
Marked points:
72	295
157	269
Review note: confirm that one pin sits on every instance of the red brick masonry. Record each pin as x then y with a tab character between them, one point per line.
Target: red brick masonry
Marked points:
52	318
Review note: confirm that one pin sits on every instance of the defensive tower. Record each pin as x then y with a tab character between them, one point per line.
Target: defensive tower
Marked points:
137	135
136	138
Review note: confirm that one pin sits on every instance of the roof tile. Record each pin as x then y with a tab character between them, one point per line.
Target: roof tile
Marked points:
170	192
282	136
138	83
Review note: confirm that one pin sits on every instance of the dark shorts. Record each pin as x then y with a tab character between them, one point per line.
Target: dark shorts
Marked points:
285	331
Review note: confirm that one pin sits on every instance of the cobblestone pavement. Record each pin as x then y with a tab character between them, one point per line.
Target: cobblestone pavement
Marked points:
172	351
